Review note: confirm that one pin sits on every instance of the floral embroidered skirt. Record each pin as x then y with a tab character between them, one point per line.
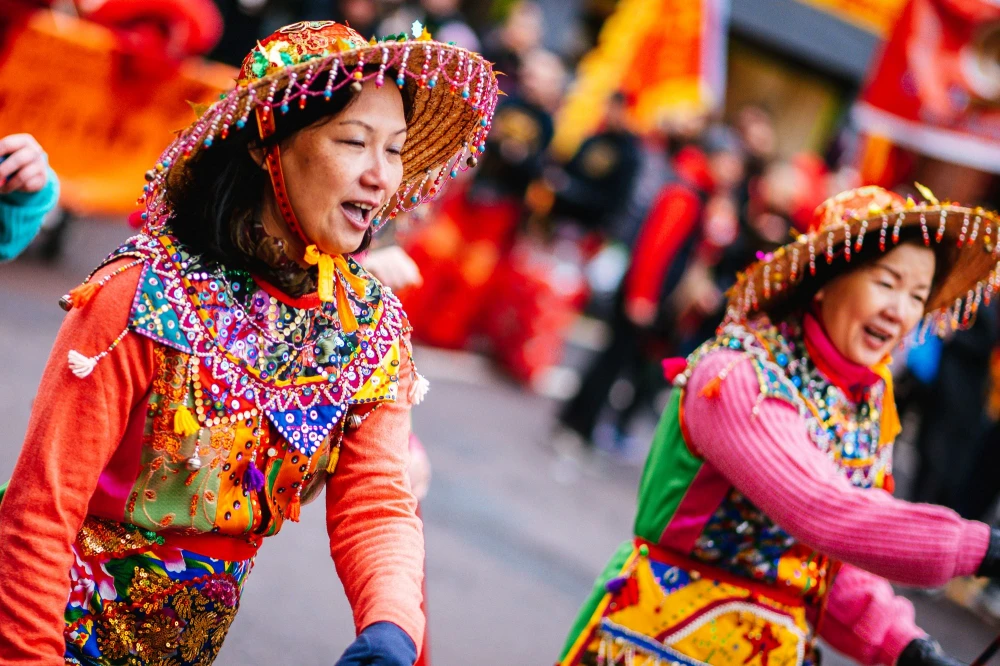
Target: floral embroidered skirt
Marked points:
135	600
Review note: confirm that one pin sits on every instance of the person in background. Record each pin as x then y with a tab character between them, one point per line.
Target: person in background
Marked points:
644	316
595	184
442	18
507	45
522	129
29	189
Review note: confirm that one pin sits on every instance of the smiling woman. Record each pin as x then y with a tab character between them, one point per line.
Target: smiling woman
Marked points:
759	526
232	361
338	157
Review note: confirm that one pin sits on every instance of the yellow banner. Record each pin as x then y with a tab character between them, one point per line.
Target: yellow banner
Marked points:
875	16
62	81
665	56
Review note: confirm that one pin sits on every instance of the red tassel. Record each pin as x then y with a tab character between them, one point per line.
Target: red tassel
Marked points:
673	367
81	295
293	509
712	388
889	484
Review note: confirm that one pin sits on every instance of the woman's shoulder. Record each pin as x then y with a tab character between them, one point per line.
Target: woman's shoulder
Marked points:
755	349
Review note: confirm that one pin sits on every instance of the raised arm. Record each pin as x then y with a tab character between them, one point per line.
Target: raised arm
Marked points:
769	457
75	427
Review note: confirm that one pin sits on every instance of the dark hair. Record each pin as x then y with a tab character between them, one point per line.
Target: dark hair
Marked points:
216	208
945	255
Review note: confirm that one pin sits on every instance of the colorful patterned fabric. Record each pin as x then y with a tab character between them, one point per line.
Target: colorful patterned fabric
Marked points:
711	579
656	609
267	385
136	601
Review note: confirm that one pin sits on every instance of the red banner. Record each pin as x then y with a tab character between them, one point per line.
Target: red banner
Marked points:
936	88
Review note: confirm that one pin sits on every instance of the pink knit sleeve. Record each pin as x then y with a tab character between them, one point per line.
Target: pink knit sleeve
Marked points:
865	620
770	459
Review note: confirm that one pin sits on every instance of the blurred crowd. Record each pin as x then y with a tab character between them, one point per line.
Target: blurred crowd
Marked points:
643	232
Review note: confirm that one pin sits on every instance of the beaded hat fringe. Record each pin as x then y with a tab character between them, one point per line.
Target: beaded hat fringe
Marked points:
845	222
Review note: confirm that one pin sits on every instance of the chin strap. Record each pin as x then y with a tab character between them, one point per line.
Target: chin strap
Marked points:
335	274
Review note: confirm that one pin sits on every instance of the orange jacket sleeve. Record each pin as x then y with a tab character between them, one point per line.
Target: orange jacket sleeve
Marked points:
376	538
75	426
668	226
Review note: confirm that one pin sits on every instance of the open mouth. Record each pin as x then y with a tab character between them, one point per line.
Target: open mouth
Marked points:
877	336
358	213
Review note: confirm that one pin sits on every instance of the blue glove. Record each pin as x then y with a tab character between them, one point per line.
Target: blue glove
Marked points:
380	644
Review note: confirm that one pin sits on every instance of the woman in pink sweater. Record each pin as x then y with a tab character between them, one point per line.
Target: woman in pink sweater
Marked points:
762	520
233	361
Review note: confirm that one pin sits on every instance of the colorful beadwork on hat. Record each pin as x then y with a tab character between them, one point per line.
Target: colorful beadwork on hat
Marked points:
842	226
454	96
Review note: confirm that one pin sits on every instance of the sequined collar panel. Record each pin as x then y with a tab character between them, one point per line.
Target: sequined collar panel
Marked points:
254	352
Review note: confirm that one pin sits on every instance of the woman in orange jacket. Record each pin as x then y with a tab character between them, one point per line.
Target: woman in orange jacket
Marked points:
231	361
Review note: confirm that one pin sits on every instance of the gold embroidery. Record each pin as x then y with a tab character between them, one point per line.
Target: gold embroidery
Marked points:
105	537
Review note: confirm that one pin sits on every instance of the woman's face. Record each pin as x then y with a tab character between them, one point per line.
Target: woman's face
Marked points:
339	173
869	310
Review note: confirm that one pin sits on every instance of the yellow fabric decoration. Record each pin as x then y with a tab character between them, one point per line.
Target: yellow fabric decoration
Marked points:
324	286
889	426
335	277
184	423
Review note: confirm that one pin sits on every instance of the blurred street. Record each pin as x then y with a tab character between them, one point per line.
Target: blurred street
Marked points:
514	540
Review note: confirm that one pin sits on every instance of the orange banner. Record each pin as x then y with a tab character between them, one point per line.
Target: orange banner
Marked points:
62	81
875	16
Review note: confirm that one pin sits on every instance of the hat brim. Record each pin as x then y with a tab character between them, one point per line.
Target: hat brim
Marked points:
971	278
454	93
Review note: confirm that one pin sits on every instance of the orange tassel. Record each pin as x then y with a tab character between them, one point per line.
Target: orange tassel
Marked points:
293	509
344	311
712	388
81	295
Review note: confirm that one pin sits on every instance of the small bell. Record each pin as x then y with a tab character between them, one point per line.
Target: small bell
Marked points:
66	303
356	87
472	161
353	422
194	462
150	175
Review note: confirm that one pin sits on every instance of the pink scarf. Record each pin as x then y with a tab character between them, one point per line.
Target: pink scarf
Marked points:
844	373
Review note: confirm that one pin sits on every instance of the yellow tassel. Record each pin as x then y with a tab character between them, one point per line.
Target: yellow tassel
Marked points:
184	423
712	389
293	509
889	426
83	294
331	465
324	286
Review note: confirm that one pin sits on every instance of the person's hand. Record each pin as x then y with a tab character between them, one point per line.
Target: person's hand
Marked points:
925	652
380	644
24	164
990	566
393	267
